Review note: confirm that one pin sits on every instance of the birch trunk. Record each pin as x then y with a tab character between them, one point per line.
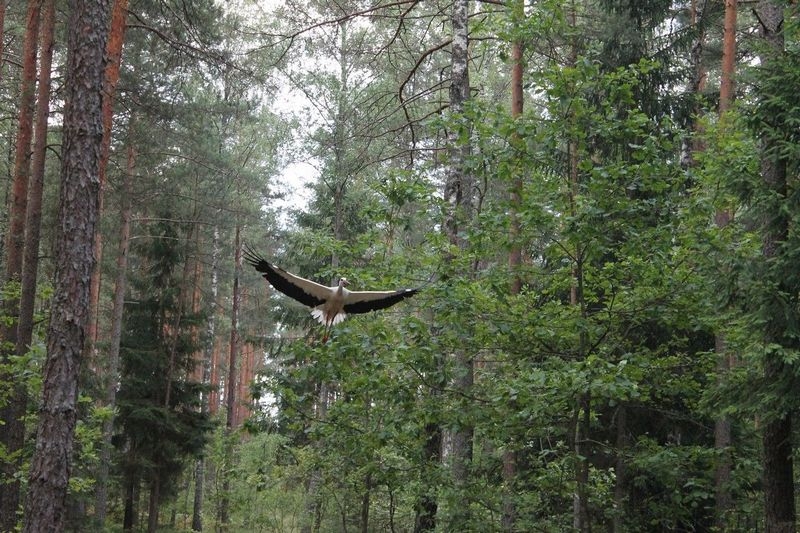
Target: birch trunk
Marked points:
458	195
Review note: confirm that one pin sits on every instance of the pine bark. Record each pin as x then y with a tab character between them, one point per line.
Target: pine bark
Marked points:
116	37
33	216
33	219
722	426
726	88
15	238
78	211
13	434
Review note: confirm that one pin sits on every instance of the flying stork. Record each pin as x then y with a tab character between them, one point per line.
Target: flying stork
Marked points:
330	304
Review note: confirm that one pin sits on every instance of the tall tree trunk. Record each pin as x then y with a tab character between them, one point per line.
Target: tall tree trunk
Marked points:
313	504
779	506
15	238
778	468
197	504
230	382
2	36
580	516
115	340
33	219
427	505
620	468
722	426
233	354
13	434
515	254
202	360
699	82
580	519
458	194
131	504
726	87
153	503
214	400
365	504
78	212
116	37
212	343
582	413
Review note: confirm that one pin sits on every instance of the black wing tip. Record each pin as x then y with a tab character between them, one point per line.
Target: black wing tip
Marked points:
407	293
376	305
255	260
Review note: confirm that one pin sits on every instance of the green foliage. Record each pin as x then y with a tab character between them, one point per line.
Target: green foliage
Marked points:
626	278
88	439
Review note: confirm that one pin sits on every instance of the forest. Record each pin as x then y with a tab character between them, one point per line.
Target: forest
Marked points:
596	201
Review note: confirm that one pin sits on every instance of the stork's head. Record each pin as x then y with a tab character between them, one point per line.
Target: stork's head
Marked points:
343	282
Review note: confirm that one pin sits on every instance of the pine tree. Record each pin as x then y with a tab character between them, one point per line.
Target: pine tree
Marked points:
78	214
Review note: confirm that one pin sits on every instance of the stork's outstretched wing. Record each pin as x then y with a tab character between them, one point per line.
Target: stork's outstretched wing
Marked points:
331	304
303	290
366	301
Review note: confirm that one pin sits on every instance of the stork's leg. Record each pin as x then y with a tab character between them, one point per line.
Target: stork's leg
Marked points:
328	324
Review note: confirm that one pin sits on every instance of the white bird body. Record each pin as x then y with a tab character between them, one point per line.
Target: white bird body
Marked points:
330	304
326	313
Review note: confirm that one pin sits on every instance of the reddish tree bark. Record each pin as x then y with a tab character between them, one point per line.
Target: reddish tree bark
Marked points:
33	220
726	87
15	238
45	508
13	434
116	38
722	426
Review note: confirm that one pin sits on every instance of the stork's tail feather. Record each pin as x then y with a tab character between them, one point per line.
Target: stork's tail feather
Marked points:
319	316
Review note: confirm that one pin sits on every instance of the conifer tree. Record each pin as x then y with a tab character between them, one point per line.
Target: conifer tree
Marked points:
78	215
